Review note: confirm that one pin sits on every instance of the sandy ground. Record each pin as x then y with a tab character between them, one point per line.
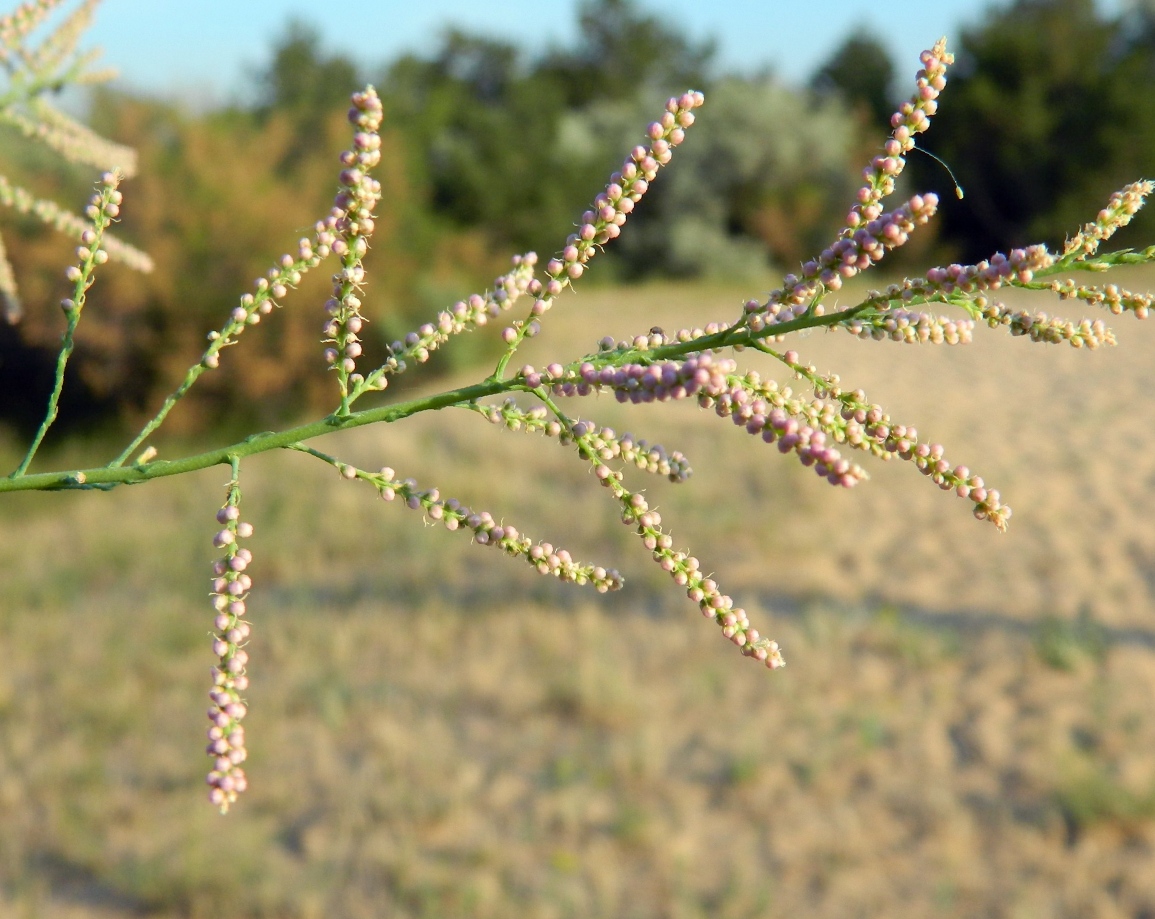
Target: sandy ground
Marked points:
964	728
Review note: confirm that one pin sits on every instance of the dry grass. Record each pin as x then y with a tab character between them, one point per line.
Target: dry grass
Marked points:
436	731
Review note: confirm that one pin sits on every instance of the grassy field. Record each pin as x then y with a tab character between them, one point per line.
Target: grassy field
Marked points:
964	729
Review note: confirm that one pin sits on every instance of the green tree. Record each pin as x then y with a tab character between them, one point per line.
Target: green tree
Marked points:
481	128
1049	111
861	72
304	86
301	77
620	50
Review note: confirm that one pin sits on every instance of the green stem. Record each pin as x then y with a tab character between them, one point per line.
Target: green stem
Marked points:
191	377
104	477
226	337
54	399
80	289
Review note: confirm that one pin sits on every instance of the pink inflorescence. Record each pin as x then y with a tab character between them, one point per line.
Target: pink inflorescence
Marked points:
353	222
21	21
913	117
1122	206
849	418
715	385
911	327
704	591
1110	296
1018	267
809	428
991	274
231	585
845	258
343	231
1040	327
869	231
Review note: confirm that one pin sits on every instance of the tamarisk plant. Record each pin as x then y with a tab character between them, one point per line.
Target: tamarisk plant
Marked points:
32	73
822	423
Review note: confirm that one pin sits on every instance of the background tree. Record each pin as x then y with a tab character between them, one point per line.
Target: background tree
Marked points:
861	72
621	49
479	128
1050	104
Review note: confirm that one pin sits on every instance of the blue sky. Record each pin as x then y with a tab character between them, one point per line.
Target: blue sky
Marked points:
202	51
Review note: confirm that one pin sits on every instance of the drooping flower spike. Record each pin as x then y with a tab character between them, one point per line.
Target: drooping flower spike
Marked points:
230	590
486	531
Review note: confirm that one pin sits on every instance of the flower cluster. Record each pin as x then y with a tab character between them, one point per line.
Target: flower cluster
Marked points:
683	568
913	117
354	223
231	587
845	258
866	426
1041	327
290	268
72	140
654	339
954	283
567	383
103	208
810	429
604	221
912	327
50	213
22	20
32	72
486	531
1110	296
475	310
54	56
1121	207
716	385
268	290
453	515
609	445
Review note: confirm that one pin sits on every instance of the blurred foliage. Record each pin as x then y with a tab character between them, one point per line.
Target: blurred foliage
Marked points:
1049	109
861	72
519	147
489	152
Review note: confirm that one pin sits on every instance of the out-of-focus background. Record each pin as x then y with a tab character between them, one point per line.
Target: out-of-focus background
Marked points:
964	727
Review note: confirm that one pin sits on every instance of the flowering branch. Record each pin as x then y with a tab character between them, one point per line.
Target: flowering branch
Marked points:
819	429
